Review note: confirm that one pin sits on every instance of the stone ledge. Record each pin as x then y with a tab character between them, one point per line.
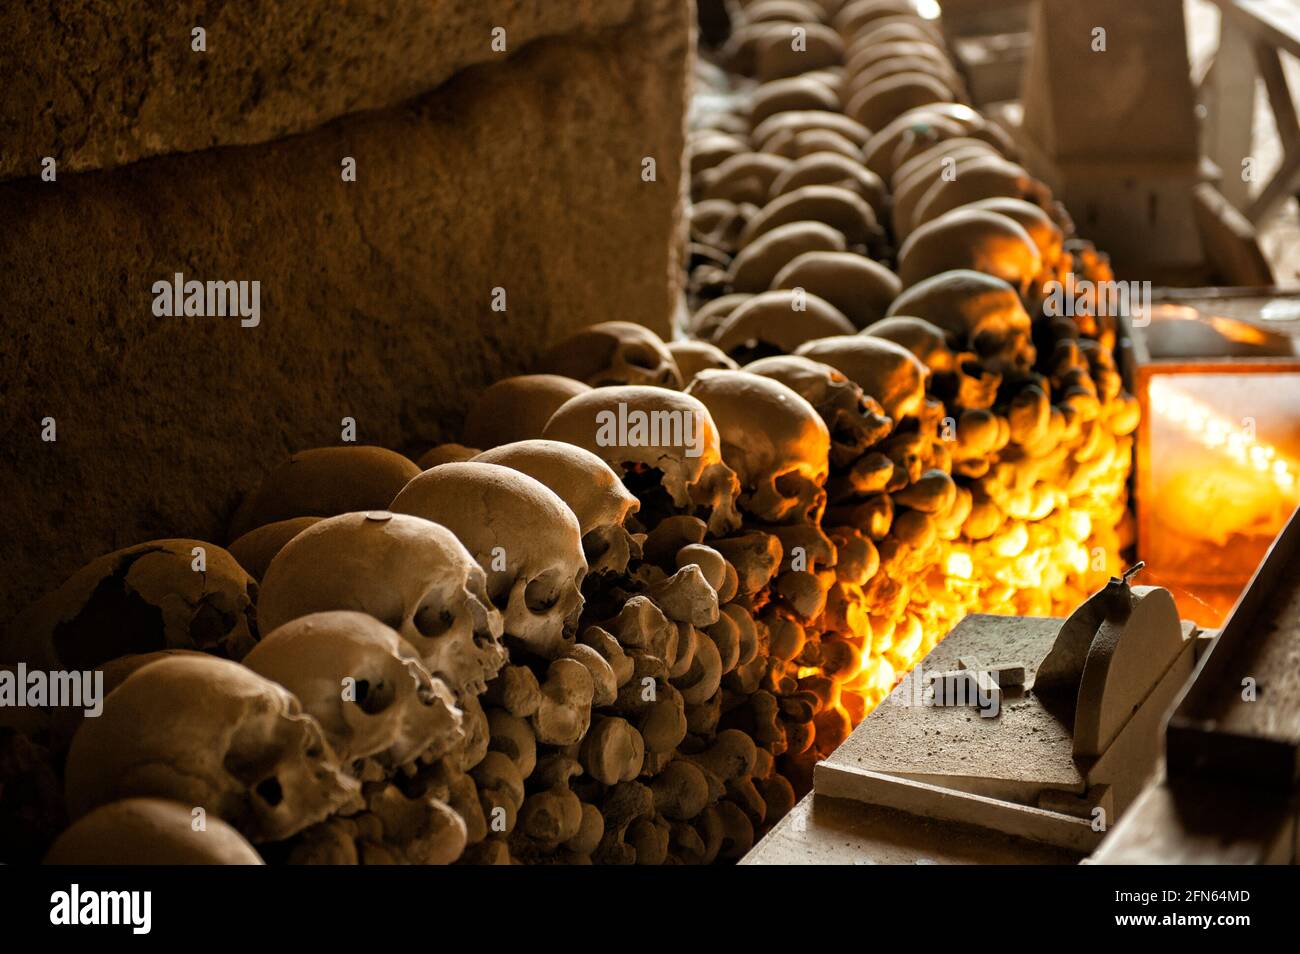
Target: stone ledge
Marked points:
97	85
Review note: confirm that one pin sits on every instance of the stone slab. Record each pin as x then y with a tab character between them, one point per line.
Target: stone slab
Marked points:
1014	756
944	803
836	831
97	85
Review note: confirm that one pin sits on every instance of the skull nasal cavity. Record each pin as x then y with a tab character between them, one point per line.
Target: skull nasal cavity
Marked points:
269	791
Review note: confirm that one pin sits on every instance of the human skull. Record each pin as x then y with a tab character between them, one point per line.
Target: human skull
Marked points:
914	178
256	549
524	537
872	73
364	684
708	317
744	178
759	262
842	209
855	421
958	378
786	95
983	314
886	371
179	594
613	352
778	322
719	222
692	357
642	432
440	454
773	439
516	409
860	288
854	20
917	129
878	104
831	168
324	482
149	831
918	336
1047	235
869	56
588	486
213	734
801	121
411	574
970	239
981	177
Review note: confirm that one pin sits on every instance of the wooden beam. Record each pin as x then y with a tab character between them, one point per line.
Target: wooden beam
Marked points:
1230	241
1285	183
1269	61
1228	94
1275	22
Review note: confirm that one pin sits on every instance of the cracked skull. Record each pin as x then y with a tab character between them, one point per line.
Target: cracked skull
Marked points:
524	537
588	486
662	443
773	439
165	594
212	734
364	684
408	573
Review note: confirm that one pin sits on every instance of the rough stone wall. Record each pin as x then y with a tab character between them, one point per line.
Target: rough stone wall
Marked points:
98	84
375	295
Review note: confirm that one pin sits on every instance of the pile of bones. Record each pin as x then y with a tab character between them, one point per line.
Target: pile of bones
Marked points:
542	645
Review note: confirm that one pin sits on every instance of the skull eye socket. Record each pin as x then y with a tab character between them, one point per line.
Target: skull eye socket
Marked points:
790	484
640	357
433	621
374	698
541	594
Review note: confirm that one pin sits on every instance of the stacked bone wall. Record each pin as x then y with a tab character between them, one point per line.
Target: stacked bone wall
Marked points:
477	169
1011	497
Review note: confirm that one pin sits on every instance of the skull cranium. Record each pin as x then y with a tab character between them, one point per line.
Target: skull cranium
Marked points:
588	486
165	594
364	684
982	313
524	537
773	439
644	431
855	420
210	733
886	371
613	352
411	574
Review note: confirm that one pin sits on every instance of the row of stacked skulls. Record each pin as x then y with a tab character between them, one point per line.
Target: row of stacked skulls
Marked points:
657	581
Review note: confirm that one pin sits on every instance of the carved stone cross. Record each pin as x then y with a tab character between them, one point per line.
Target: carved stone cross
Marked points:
976	684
